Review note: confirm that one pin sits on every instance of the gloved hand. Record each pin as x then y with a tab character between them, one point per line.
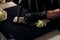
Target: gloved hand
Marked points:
33	17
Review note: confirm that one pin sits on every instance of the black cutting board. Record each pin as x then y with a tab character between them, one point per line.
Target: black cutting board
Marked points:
21	31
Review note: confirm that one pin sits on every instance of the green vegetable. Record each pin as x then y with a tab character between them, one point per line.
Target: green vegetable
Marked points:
3	15
41	23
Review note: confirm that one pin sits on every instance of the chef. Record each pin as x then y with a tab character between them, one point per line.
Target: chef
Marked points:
52	11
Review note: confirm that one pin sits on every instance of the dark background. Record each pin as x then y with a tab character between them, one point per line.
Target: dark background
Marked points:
48	4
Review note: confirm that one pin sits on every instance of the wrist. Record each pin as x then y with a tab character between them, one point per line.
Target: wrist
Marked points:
53	13
44	14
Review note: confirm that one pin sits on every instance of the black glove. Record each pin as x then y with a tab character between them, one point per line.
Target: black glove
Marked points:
33	17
